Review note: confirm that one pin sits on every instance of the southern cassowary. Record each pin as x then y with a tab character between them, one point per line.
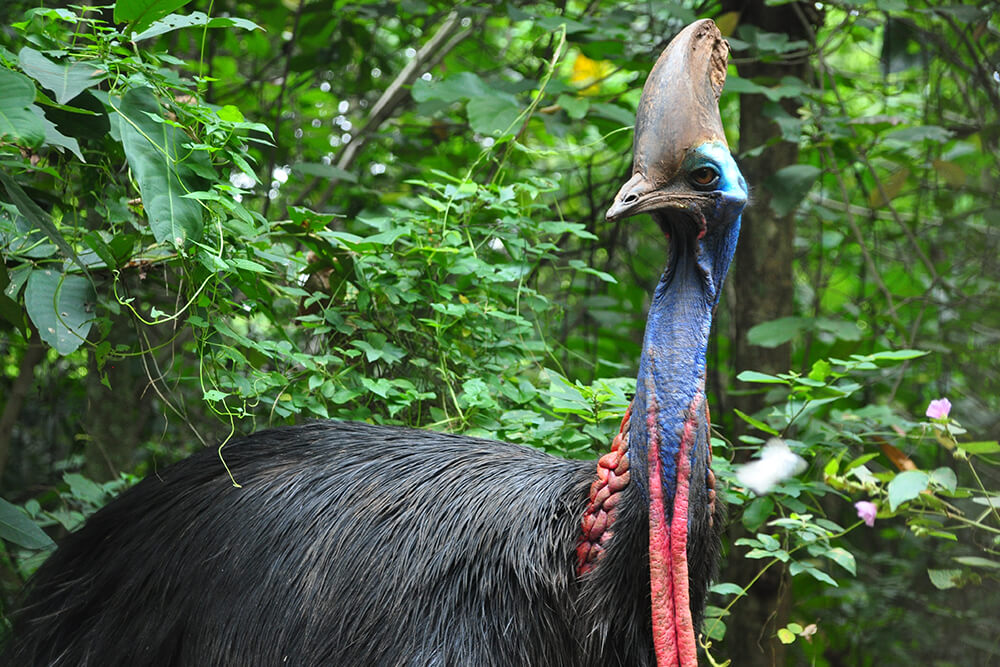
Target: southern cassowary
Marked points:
351	544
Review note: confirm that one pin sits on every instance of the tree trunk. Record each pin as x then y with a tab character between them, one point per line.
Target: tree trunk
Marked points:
34	352
763	290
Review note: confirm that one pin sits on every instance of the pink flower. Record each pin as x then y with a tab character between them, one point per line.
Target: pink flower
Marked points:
866	512
939	408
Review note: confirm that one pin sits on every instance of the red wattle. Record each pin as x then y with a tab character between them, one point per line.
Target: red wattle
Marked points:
673	627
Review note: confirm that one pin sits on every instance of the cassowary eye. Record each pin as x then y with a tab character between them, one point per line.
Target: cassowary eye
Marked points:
704	177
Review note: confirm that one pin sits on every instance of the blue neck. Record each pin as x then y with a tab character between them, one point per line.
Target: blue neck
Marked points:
672	365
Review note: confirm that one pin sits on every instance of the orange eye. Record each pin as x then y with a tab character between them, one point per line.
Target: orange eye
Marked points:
704	177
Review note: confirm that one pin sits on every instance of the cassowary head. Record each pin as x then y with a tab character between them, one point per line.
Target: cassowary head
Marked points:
683	173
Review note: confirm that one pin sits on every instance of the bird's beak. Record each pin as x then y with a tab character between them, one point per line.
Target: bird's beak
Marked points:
678	111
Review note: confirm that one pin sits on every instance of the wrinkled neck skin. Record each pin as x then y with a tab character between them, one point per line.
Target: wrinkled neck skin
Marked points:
669	425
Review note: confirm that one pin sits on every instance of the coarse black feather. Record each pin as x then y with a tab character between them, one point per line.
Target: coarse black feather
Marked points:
348	544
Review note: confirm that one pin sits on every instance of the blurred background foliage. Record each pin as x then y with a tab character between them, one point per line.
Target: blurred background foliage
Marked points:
394	212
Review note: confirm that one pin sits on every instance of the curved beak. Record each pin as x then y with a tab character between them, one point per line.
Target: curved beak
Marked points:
678	110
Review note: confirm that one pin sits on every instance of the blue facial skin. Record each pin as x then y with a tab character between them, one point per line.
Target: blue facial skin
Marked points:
723	221
671	381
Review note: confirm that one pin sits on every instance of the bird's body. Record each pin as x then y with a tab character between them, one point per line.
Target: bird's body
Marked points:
360	545
468	559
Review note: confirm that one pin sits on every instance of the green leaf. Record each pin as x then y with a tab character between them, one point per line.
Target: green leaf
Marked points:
820	370
754	376
819	575
945	478
976	561
142	13
16	527
841	329
155	153
60	306
85	489
66	81
980	447
786	636
727	589
777	332
757	513
173	22
575	106
493	114
843	558
17	122
897	355
908	136
906	486
945	579
790	185
321	170
463	85
53	137
37	217
756	423
614	112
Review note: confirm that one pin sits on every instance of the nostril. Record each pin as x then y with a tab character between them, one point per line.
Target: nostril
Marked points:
630	198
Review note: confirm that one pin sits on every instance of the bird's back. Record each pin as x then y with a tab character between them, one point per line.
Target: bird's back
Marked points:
348	544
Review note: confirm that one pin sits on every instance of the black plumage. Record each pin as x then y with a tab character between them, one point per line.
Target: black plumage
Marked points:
348	544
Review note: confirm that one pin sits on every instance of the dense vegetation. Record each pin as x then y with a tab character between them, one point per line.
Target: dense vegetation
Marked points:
218	216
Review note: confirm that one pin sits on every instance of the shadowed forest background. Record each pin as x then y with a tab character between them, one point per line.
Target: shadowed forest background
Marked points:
394	212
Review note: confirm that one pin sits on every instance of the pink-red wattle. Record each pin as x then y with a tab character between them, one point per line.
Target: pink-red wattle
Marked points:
673	627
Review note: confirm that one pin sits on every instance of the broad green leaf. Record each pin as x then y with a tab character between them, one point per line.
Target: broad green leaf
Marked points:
727	589
799	566
897	355
945	579
820	370
906	486
37	217
61	307
777	332
908	136
976	561
493	114
614	112
321	170
575	106
842	329
790	185
66	81
786	636
17	122
980	447
756	513
173	22
142	13
714	629
945	478
85	489
754	376
464	85
214	395
16	527
843	558
53	137
756	423
155	153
